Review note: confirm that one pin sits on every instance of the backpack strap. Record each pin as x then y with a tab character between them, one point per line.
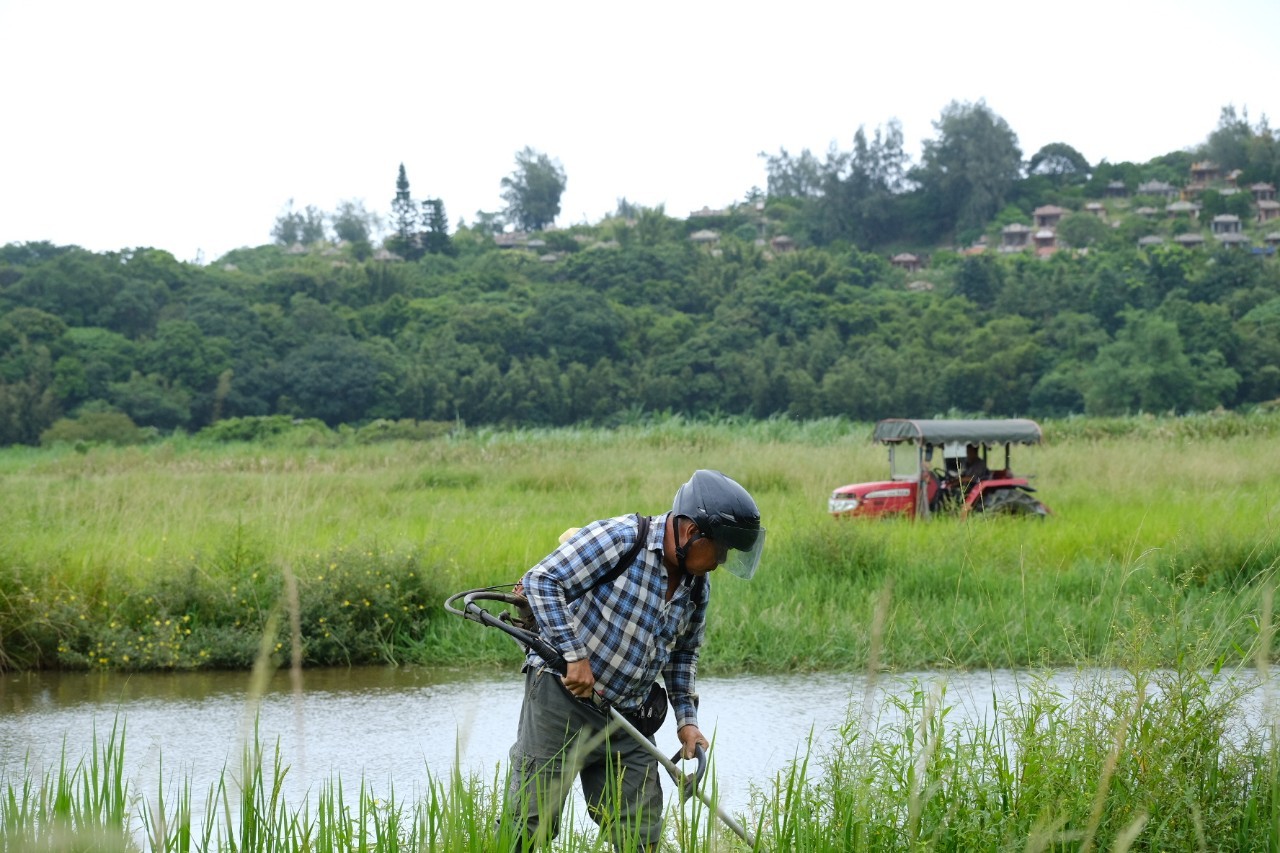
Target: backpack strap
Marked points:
625	561
698	588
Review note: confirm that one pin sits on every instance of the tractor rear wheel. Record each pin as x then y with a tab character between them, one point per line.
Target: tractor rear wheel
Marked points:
1011	502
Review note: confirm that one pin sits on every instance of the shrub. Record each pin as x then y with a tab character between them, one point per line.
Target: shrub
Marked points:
96	428
364	606
402	430
219	610
258	428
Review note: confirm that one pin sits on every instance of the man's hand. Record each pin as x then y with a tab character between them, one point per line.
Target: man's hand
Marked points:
691	737
579	679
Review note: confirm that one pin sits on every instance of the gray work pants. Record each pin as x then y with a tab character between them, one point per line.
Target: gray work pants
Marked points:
559	737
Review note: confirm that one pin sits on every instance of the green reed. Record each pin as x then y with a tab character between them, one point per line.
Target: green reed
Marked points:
85	806
89	807
1137	762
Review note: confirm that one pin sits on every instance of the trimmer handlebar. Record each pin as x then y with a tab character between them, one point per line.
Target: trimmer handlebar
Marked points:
689	784
476	613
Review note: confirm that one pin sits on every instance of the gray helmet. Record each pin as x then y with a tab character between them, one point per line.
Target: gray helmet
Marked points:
725	513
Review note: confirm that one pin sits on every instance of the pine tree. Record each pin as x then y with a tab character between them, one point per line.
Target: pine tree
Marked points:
404	218
435	238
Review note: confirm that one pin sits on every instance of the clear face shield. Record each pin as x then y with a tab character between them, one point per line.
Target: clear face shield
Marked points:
743	561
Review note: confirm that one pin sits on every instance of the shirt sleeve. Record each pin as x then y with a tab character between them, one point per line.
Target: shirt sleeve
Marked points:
566	573
681	671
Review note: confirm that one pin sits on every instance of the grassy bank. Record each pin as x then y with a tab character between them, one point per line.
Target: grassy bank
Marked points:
189	553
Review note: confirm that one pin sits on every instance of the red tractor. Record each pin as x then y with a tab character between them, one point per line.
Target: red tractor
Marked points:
964	483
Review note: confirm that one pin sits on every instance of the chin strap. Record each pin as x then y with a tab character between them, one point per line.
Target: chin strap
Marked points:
682	551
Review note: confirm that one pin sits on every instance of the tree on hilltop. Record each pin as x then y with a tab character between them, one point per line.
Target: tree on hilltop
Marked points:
532	192
293	226
1059	162
1235	144
404	220
852	195
435	235
352	223
1228	145
967	171
790	176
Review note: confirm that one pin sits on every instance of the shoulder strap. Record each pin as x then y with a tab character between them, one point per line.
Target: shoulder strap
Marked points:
625	561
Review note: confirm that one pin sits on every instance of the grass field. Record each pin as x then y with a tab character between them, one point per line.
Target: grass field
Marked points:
179	554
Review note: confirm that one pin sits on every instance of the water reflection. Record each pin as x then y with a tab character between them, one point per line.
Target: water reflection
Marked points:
408	725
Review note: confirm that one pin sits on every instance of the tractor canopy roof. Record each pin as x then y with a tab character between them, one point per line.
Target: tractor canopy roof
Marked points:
1008	430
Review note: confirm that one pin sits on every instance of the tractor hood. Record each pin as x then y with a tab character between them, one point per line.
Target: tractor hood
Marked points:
880	498
861	490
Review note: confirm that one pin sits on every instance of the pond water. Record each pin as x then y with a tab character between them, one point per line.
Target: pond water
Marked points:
387	725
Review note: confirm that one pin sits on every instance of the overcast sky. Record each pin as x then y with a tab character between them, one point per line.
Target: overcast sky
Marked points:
188	126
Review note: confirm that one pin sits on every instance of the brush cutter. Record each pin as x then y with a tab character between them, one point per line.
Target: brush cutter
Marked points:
687	784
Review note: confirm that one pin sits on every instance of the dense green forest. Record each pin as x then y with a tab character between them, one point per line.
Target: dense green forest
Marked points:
799	301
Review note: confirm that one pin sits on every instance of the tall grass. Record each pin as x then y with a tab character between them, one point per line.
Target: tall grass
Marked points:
84	806
1144	763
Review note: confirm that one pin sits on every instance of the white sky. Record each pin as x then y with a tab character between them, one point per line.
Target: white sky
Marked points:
188	126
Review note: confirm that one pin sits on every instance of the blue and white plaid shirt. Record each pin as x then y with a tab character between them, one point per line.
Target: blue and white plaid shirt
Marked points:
627	629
